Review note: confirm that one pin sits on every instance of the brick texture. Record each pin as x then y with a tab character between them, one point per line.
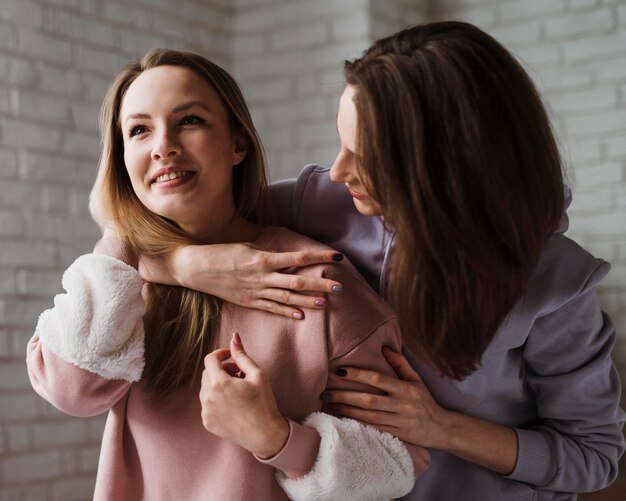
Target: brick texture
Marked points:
56	60
287	55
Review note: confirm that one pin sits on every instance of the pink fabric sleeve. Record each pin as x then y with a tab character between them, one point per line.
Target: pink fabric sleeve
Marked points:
298	454
69	388
111	245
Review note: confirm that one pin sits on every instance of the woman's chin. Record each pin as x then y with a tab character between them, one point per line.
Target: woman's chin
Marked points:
366	207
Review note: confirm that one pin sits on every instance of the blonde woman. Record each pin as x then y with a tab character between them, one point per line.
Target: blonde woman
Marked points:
193	414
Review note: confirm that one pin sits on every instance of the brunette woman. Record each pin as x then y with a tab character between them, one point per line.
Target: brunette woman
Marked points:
507	369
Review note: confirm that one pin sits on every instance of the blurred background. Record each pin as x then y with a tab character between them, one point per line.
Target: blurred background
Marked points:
58	56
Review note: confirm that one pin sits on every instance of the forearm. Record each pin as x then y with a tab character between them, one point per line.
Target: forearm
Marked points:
481	442
272	439
170	268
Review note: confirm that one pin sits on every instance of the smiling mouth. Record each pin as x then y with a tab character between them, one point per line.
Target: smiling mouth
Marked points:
172	175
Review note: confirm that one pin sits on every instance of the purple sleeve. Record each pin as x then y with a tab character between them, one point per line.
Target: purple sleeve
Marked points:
577	441
281	199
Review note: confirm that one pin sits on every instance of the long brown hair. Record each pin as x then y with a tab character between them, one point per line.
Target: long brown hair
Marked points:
180	323
457	150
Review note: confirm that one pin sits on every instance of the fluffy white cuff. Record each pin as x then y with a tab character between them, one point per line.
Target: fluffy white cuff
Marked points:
98	324
355	462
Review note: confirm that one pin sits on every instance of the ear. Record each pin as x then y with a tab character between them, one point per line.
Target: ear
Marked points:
241	148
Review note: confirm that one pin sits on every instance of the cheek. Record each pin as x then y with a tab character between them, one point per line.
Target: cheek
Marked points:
135	167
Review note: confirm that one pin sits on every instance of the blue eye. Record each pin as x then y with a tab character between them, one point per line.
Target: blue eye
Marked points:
192	120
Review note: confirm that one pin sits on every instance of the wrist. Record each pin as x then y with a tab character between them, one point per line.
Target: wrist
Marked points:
449	428
482	442
176	265
276	436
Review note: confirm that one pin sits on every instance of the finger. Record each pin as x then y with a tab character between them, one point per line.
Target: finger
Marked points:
277	308
231	368
241	358
213	361
376	418
280	260
303	283
401	365
371	378
359	399
287	297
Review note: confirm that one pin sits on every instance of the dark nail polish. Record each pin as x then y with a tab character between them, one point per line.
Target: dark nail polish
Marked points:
342	372
337	257
325	396
337	289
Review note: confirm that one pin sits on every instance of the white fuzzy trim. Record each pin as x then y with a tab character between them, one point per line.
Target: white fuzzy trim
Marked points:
355	462
98	324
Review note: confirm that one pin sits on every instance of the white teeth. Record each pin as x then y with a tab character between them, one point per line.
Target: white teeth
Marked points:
171	175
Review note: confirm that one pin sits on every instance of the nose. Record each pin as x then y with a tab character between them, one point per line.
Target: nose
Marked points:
339	170
166	145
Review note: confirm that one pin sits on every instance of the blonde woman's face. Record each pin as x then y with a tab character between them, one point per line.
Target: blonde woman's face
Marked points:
344	169
179	148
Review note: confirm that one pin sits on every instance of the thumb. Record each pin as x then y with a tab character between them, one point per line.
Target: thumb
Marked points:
241	358
401	365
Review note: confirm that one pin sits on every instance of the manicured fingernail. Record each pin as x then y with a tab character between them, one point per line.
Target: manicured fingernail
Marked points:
326	396
342	372
297	315
237	339
337	289
337	257
320	302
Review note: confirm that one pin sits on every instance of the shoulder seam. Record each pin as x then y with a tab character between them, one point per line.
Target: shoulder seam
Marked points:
361	340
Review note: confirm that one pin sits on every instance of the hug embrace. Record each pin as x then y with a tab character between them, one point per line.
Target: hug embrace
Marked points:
459	352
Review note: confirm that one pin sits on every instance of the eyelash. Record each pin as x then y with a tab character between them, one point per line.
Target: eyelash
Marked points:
197	119
133	130
136	129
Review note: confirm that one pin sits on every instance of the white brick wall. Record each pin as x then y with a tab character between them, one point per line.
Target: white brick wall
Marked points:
56	60
288	57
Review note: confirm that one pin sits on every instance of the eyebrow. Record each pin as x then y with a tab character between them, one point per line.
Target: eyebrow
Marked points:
178	109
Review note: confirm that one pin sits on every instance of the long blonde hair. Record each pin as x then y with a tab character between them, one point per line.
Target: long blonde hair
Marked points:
180	323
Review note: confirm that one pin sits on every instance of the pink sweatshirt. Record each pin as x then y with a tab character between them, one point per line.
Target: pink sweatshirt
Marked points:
86	357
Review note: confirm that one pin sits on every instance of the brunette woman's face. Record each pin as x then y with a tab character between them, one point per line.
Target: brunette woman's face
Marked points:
179	148
344	169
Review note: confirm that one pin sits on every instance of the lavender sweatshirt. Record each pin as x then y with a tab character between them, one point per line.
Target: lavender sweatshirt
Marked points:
547	373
